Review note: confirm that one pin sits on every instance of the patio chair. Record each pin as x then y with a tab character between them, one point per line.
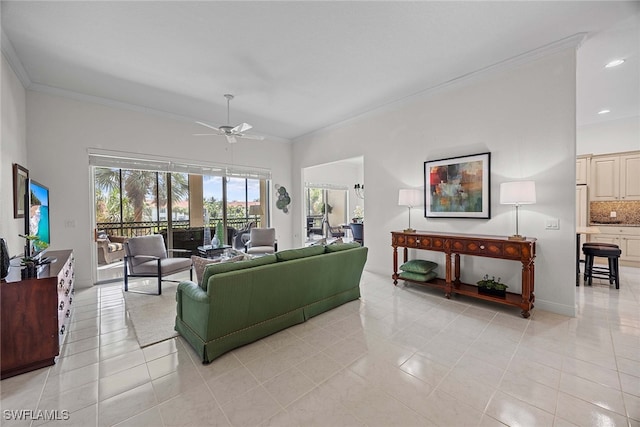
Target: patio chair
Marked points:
333	231
146	256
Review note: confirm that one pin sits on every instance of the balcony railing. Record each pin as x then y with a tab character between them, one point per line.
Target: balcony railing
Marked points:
144	228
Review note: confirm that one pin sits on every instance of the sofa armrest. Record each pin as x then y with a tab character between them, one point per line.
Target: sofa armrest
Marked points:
193	307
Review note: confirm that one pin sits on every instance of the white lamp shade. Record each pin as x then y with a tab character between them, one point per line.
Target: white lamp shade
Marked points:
409	197
518	193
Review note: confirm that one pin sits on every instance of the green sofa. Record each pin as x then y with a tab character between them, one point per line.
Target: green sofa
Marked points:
238	303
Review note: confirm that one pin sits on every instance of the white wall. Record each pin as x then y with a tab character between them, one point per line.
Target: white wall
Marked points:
524	115
13	149
61	130
613	136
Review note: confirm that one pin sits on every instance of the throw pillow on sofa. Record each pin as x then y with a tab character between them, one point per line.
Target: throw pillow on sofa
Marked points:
199	264
419	266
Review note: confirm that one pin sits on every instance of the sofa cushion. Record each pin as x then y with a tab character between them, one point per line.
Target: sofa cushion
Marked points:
337	247
420	266
225	267
113	247
418	276
290	254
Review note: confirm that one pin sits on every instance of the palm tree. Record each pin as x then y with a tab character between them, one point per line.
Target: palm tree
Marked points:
138	185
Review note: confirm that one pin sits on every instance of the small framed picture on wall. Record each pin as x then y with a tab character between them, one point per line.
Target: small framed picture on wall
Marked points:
458	187
20	182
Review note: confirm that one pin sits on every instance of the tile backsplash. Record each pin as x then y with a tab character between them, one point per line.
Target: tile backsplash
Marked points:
627	212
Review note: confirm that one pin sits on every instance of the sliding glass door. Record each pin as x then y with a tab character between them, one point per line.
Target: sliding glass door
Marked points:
326	206
183	207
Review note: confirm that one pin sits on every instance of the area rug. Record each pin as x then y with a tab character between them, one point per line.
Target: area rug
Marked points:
153	316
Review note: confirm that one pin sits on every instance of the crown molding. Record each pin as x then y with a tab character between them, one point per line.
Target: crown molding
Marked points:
571	42
14	62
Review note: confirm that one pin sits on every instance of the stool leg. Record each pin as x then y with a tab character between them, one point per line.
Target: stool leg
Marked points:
611	270
590	271
585	276
616	266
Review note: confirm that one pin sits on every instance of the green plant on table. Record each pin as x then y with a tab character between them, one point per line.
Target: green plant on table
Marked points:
491	283
37	244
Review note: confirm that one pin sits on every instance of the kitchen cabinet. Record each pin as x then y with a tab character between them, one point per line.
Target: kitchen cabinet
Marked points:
582	170
627	238
615	177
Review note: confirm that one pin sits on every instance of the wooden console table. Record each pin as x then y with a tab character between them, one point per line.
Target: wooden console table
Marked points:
454	245
35	315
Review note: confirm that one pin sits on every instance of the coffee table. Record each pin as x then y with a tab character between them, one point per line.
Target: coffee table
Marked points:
209	251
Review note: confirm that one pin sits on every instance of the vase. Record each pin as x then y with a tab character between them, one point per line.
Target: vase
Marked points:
29	271
4	259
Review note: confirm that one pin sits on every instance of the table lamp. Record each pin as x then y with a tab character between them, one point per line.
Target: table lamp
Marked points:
517	193
410	198
255	210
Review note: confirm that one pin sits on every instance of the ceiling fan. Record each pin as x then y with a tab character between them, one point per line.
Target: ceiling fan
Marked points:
231	132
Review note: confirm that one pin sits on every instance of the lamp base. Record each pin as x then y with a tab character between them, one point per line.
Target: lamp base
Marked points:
517	237
409	230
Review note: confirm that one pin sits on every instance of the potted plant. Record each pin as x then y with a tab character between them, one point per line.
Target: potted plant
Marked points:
358	214
31	263
492	286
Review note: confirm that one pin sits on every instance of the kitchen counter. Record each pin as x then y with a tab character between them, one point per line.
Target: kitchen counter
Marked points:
598	224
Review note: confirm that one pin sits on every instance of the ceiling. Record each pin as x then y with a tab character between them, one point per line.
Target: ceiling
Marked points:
296	67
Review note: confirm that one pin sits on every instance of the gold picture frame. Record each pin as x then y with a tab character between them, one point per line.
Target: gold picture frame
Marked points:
20	183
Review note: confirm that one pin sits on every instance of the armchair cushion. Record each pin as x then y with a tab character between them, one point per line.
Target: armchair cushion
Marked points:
146	245
168	266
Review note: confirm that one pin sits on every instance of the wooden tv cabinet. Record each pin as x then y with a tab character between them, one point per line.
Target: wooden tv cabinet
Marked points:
454	245
35	315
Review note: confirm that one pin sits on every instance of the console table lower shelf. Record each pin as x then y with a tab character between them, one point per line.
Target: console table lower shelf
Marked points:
454	245
472	291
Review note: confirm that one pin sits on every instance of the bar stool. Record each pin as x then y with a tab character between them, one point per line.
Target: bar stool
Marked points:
605	250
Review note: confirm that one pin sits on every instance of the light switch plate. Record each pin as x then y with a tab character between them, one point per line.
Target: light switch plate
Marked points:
552	224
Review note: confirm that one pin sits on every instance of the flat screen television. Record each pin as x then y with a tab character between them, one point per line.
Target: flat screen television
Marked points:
38	213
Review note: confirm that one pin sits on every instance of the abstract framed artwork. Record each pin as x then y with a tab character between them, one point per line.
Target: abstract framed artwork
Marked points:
458	187
20	180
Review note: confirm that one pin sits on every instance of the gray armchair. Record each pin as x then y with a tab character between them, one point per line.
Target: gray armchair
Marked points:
262	241
146	256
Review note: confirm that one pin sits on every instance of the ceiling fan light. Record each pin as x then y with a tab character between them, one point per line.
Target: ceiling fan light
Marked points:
605	111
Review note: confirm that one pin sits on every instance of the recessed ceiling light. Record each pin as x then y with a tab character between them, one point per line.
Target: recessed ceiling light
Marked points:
614	63
604	111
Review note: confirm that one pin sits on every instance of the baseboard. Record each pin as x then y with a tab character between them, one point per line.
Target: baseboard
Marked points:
554	307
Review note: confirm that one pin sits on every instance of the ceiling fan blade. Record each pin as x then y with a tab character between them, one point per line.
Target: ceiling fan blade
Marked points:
231	139
249	136
242	127
205	134
209	126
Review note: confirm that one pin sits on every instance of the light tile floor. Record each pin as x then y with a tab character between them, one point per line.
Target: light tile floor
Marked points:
399	356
